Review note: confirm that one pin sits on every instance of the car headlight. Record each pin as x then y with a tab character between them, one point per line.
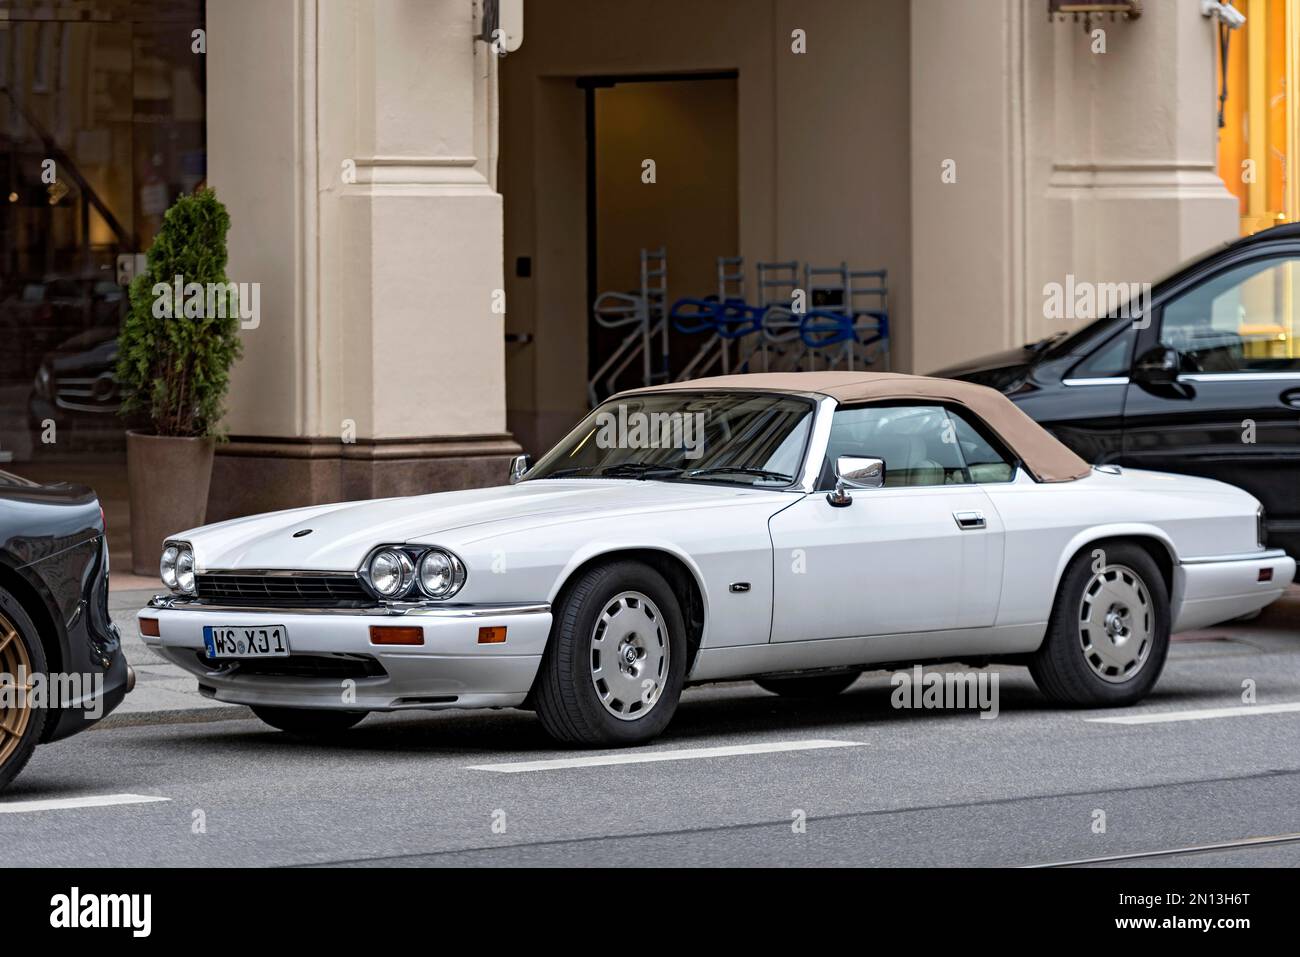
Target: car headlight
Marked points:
391	572
441	573
176	567
185	571
1261	527
167	566
413	573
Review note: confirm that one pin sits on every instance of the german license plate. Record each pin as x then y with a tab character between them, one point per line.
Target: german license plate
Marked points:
244	641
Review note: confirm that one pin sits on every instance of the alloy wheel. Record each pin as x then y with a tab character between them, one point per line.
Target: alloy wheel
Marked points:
1116	622
14	713
629	655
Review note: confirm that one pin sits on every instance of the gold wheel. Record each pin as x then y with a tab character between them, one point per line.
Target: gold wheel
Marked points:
14	713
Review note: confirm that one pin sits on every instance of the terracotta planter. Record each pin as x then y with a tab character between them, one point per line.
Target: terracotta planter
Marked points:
168	479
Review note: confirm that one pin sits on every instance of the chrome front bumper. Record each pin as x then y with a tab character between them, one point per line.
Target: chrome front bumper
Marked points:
452	669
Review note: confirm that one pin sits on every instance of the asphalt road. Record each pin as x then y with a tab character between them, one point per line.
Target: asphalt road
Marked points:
873	785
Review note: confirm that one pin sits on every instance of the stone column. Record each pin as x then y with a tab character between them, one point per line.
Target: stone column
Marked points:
1068	160
354	142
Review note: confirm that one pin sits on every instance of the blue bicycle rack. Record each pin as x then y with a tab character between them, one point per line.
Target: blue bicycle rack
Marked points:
835	318
725	317
839	327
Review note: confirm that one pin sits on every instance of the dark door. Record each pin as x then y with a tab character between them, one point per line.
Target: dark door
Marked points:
1233	411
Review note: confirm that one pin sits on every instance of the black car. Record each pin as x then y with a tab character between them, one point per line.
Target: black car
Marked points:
1205	381
79	376
61	661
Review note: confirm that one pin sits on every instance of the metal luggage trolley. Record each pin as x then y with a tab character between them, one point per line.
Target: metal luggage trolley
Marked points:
726	316
644	316
838	326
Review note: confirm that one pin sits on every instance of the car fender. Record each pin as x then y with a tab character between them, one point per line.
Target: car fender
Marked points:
596	548
1095	533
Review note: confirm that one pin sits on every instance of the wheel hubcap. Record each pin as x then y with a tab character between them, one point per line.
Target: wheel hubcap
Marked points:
14	713
629	655
1116	621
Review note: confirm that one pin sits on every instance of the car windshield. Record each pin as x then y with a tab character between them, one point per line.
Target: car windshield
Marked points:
738	438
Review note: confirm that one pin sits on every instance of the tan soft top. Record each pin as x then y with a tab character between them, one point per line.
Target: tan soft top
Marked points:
1045	458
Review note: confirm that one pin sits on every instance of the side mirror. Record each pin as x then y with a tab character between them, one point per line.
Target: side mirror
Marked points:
1159	365
852	471
518	466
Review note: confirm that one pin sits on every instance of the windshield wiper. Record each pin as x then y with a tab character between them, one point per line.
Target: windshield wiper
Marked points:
741	470
565	473
640	470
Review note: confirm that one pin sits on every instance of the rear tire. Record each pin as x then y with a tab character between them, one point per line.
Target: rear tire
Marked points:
20	726
809	686
309	722
616	659
1108	634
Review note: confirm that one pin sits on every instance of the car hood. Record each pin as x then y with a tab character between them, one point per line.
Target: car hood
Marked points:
1000	370
342	535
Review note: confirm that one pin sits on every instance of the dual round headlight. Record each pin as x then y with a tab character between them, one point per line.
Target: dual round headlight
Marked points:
403	573
176	567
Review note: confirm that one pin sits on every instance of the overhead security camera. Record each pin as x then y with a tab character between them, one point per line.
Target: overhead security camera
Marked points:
1225	12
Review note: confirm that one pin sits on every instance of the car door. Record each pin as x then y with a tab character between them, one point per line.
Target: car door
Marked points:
923	553
1086	411
1233	411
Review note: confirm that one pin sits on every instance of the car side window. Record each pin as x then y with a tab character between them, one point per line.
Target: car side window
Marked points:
1244	320
984	461
1112	360
917	442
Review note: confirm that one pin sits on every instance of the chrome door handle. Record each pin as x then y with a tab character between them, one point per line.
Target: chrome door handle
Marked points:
1291	398
969	520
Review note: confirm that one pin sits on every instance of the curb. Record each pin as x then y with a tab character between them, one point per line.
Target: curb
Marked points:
139	719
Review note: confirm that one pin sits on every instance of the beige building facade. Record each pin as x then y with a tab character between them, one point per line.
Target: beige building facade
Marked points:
417	207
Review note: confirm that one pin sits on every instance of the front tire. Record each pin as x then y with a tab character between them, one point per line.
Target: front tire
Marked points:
309	722
616	659
21	652
1109	631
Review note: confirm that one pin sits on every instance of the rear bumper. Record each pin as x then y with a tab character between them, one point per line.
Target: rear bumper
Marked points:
452	669
1209	591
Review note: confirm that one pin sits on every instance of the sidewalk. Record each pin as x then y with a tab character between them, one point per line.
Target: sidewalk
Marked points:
163	692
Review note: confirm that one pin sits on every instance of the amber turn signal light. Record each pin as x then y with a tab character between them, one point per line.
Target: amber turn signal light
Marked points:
149	626
491	636
396	635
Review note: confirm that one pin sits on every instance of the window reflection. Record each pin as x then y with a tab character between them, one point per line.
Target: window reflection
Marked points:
102	126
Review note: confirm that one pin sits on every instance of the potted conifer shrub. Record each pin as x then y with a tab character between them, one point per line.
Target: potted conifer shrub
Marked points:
175	350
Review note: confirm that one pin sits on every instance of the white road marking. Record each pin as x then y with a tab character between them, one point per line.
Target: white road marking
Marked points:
645	757
1161	717
1174	851
65	804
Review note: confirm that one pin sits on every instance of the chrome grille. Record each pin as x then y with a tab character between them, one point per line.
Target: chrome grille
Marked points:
283	591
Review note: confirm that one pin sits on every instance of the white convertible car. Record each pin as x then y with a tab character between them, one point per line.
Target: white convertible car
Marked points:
795	529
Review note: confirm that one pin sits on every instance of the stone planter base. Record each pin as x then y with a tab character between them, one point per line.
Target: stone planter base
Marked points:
168	479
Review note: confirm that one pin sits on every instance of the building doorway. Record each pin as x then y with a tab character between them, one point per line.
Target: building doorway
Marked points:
662	173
